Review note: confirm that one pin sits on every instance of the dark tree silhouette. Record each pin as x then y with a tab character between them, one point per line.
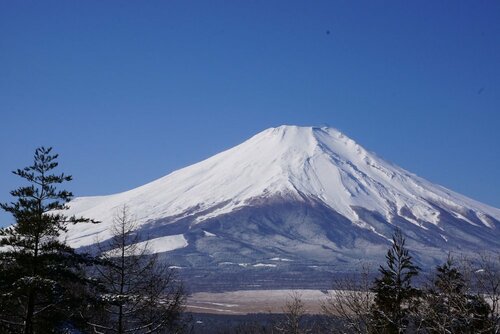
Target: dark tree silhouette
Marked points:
450	307
38	272
394	293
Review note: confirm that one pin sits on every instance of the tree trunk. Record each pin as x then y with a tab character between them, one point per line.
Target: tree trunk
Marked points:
120	320
30	310
28	323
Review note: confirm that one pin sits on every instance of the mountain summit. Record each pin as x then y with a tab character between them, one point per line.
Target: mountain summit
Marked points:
306	194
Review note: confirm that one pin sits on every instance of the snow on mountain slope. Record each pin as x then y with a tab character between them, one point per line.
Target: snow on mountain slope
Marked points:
156	245
293	162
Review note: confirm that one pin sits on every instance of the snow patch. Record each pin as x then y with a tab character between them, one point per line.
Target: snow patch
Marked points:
167	243
222	304
264	265
208	234
157	245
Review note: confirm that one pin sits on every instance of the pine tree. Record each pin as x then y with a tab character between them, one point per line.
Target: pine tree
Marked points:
451	308
394	293
38	272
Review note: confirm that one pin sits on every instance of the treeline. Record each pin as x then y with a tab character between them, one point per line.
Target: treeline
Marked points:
48	287
462	296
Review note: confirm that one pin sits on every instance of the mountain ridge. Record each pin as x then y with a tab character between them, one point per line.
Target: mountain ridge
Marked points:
308	194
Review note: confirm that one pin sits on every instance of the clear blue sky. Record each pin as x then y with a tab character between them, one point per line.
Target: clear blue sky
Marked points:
128	91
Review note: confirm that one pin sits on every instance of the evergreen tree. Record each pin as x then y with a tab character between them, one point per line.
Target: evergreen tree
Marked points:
451	308
394	294
38	272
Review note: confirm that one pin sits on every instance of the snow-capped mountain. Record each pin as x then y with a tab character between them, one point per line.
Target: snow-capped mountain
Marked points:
304	194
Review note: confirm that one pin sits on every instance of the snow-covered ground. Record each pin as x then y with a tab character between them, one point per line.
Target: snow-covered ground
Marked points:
156	245
165	244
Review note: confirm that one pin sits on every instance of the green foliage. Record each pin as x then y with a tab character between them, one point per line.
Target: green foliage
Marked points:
394	294
39	274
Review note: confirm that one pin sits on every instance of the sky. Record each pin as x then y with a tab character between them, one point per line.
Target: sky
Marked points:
128	91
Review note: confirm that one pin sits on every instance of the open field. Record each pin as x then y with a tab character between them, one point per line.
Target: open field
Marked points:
253	301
